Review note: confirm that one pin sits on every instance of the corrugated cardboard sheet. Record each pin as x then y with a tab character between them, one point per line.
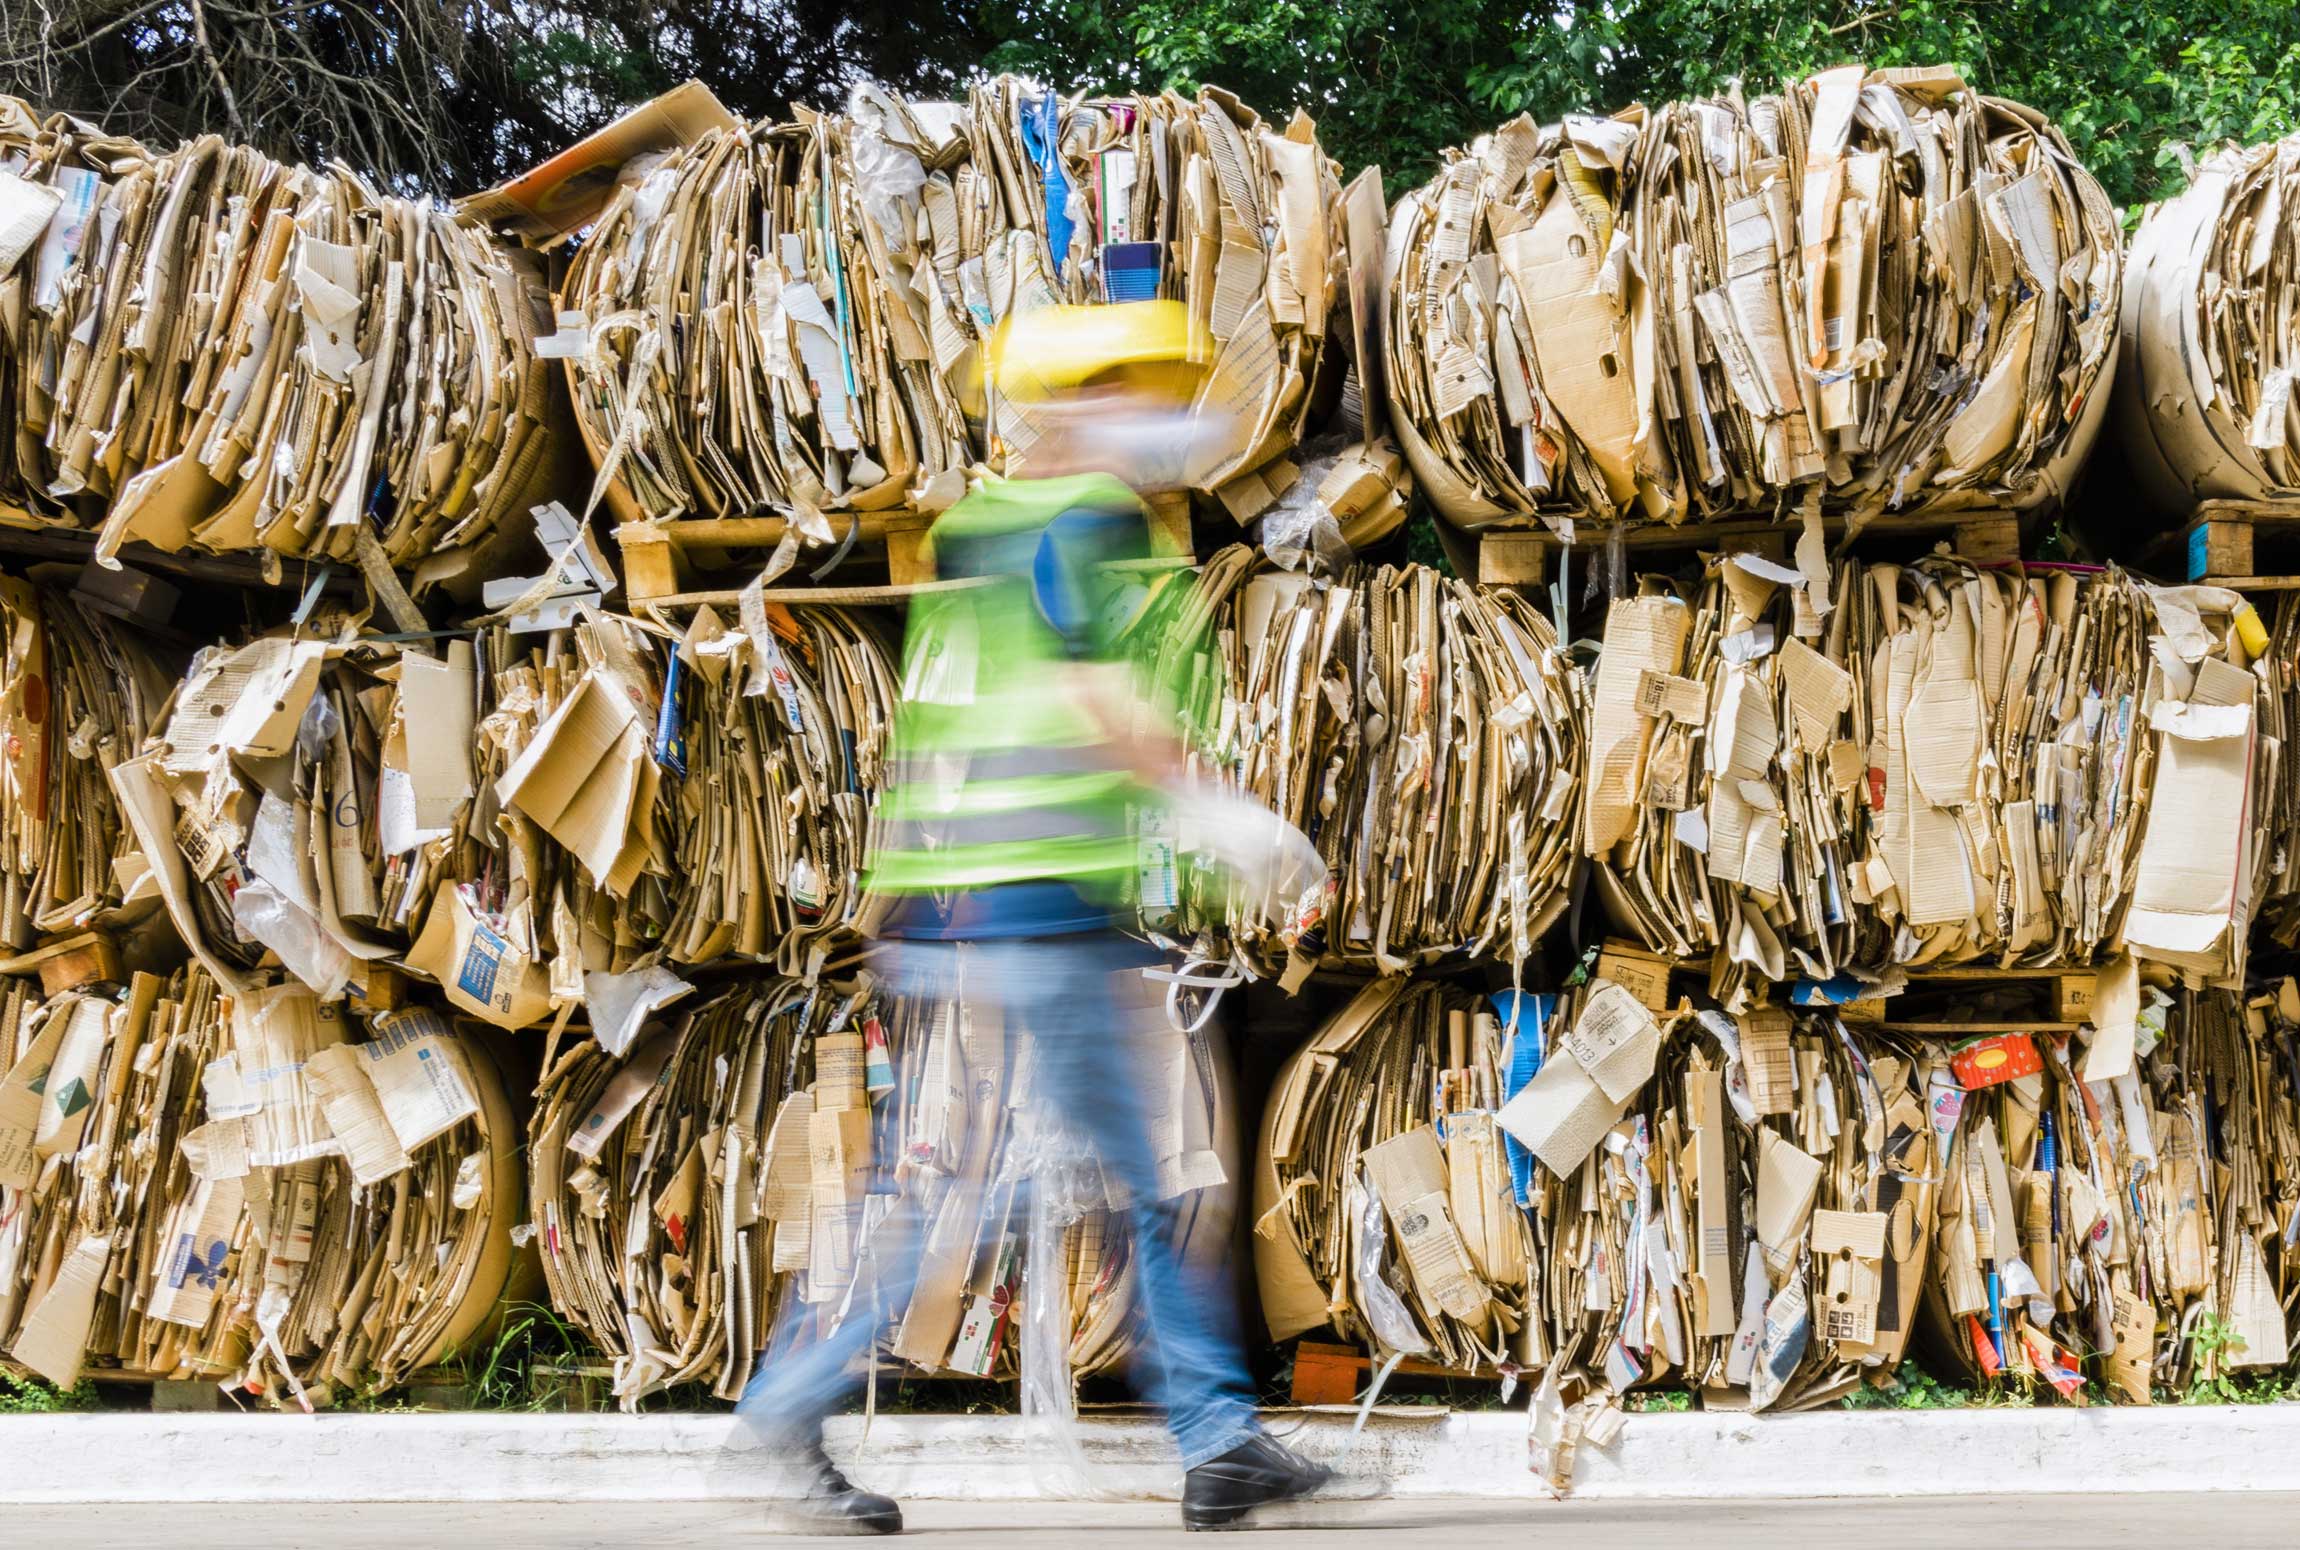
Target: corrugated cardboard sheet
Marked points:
1774	1221
2204	394
208	349
756	1157
1950	764
789	317
250	1188
530	829
1878	289
1424	734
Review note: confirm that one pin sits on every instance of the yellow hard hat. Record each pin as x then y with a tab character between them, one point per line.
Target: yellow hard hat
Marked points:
1050	350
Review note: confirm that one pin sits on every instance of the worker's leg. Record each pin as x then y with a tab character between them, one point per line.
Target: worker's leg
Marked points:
809	1375
1087	1060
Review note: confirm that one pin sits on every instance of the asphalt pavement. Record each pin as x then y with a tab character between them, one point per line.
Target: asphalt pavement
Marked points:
2028	1522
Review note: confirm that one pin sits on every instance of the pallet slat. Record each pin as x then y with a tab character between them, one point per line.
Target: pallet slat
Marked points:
1523	556
2068	991
1333	1374
660	559
69	963
2220	545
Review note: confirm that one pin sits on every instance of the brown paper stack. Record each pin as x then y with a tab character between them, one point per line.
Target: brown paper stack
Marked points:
211	350
118	1252
1025	200
1425	734
2128	1200
77	695
357	1287
687	1156
1933	763
1770	1208
788	320
1872	290
2204	394
1382	1197
533	830
248	1187
752	1157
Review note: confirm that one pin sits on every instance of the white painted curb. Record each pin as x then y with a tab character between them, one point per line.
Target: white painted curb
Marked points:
579	1458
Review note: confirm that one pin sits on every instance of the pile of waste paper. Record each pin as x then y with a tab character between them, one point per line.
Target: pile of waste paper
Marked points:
2204	392
251	1187
206	349
1425	734
537	830
1936	762
1872	290
1776	1206
790	320
732	1174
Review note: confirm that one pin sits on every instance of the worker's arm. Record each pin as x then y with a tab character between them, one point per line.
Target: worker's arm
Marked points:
1138	735
1275	859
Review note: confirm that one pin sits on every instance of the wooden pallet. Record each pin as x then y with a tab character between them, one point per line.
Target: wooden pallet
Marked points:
2064	999
1523	556
664	561
2068	992
666	610
25	536
2225	542
69	962
1336	1374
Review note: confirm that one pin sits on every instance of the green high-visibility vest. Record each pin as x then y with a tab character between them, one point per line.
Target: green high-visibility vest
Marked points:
994	776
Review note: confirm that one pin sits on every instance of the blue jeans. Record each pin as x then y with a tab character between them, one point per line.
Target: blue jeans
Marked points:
1062	992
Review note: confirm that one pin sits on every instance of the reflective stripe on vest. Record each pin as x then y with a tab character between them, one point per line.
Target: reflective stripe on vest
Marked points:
996	764
1018	826
995	774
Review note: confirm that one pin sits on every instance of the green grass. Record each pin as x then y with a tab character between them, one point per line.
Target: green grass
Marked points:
32	1396
1658	1401
506	1376
1913	1388
2212	1338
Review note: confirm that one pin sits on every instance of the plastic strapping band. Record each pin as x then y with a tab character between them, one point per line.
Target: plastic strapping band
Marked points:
1373	1395
1193	975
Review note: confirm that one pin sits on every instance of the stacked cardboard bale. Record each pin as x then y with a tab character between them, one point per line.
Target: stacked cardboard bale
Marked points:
208	349
77	694
247	1186
870	256
1871	289
1932	763
746	1164
2204	394
1382	1190
1773	1207
1425	734
532	828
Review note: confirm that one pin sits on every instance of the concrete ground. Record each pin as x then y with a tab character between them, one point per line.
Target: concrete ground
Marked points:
2223	1520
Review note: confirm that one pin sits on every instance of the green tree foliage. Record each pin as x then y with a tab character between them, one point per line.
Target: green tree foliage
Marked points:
1390	82
2127	80
451	94
1396	81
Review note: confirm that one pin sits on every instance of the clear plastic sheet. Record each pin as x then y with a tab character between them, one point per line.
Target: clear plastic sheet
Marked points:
1384	1310
885	176
1065	1183
1301	531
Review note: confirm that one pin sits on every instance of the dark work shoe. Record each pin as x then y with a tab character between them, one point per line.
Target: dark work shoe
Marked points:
1218	1494
830	1503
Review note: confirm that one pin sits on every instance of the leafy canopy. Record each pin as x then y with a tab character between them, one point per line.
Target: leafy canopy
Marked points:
452	94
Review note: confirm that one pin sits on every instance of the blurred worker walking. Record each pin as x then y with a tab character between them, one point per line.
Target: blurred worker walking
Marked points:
1003	852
